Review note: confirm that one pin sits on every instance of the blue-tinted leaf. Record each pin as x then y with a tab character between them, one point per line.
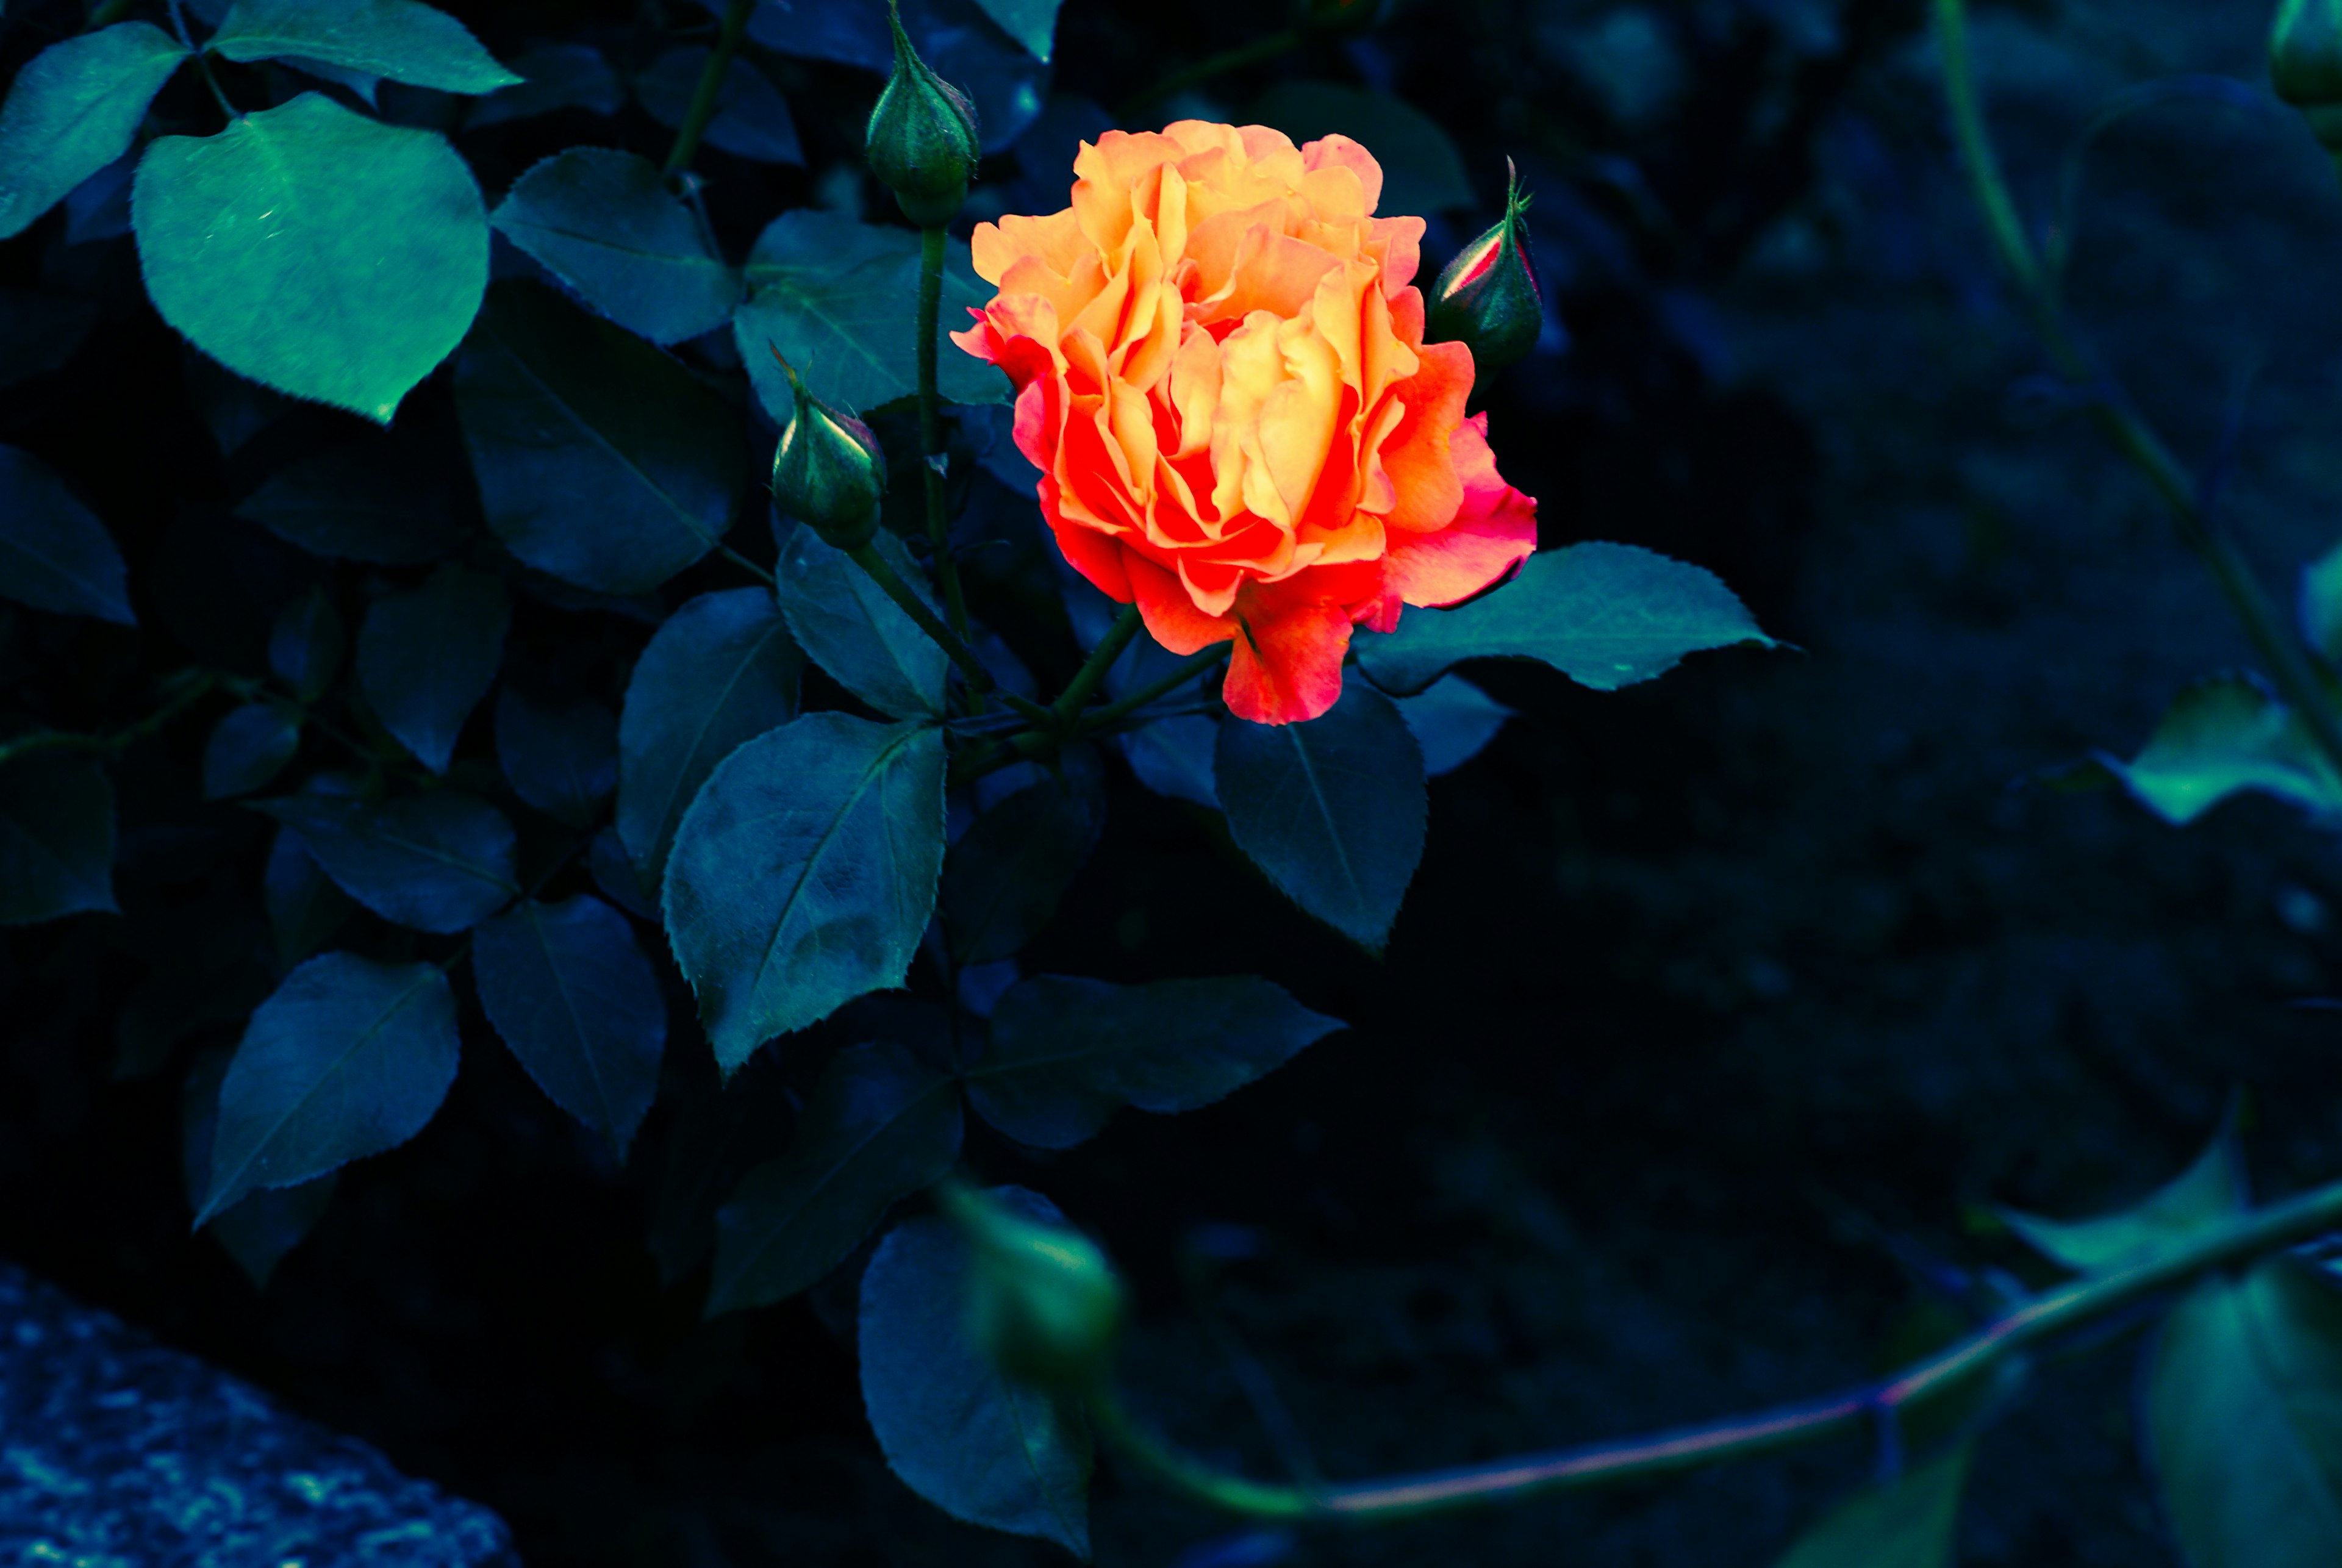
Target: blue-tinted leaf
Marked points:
616	875
603	223
2244	1419
305	646
1065	1053
40	332
427	654
361	86
2320	602
561	758
403	40
74	109
1421	170
961	1434
556	77
1173	757
2221	737
1605	616
750	119
349	1058
363	502
1002	879
265	1225
249	746
803	874
99	207
55	554
573	995
314	250
837	298
1332	810
851	629
1032	22
2207	1193
718	1133
600	460
879	1125
721	671
953	36
1451	720
56	839
440	862
305	908
1906	1523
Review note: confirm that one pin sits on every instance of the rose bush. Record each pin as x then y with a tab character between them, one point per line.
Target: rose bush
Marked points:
1221	373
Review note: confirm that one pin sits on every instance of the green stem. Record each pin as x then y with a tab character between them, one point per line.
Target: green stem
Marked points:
710	89
1099	718
1102	657
931	438
2264	625
2043	1317
191	686
991	757
1204	70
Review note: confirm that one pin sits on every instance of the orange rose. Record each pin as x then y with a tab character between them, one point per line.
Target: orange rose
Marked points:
1222	376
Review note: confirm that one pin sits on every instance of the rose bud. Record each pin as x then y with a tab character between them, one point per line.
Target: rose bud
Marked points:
829	470
922	142
2305	66
1487	298
1045	1304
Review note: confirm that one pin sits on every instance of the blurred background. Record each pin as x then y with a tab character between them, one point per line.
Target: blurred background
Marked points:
1722	1006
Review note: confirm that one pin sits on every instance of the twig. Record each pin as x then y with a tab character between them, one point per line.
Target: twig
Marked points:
711	87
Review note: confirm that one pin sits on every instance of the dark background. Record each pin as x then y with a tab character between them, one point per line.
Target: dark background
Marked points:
1717	1003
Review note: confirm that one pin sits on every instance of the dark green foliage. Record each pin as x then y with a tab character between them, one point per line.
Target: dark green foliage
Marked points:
426	656
571	992
803	874
440	862
848	625
402	40
751	121
554	77
305	906
1451	720
561	757
960	1434
1332	810
1004	877
1905	1524
305	646
361	501
249	746
600	460
880	1123
56	839
1065	1053
73	110
262	1225
602	223
54	553
349	1058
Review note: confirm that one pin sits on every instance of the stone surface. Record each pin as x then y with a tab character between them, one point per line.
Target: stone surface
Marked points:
117	1452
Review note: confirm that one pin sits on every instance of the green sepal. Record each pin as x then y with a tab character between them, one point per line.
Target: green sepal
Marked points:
922	142
1487	298
829	470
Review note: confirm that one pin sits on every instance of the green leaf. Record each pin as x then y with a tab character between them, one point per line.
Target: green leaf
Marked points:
1421	170
2321	604
603	223
74	109
961	1434
318	252
249	746
2203	1195
305	906
600	460
440	862
572	994
837	298
1332	810
1002	879
879	1125
1032	22
2223	736
401	39
2244	1418
349	1058
363	502
55	554
1605	616
262	1226
853	630
1907	1523
426	656
305	645
722	670
1065	1053
751	120
557	77
1451	720
56	839
560	757
803	874
1173	757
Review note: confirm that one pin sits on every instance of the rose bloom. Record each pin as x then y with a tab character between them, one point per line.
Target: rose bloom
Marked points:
1221	374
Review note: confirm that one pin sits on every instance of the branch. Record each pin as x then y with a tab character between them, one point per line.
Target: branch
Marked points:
710	89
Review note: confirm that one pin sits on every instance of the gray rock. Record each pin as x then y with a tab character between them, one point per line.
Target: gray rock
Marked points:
116	1453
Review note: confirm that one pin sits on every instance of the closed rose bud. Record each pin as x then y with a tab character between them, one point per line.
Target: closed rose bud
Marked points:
1046	1305
1487	298
2305	66
829	470
922	142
